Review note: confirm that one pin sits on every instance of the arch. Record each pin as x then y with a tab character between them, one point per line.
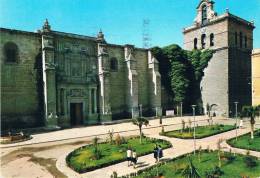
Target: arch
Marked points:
195	43
11	52
203	41
114	64
236	38
204	14
245	41
211	39
241	39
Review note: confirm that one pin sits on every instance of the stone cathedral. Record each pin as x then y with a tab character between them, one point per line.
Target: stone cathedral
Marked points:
70	80
51	78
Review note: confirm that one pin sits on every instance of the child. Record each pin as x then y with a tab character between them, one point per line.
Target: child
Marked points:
134	159
129	156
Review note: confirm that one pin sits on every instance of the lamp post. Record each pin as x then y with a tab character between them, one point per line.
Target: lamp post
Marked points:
181	109
194	130
140	105
236	118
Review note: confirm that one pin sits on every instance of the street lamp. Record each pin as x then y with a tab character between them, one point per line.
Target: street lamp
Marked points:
140	105
181	109
236	118
194	133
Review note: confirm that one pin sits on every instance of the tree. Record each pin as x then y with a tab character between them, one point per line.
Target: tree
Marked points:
251	112
140	121
190	171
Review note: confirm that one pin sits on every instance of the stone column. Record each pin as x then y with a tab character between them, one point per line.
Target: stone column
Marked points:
155	85
49	76
132	82
104	79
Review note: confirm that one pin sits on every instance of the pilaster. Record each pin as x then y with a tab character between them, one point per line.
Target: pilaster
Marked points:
155	85
132	82
49	77
104	77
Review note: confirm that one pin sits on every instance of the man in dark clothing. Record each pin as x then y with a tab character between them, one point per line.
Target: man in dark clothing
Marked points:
155	153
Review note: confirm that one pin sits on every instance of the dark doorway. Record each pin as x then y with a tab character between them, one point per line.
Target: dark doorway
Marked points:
76	114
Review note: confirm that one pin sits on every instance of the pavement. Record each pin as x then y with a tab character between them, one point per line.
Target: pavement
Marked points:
44	155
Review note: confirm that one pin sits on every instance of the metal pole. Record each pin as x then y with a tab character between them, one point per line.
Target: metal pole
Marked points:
194	131
236	118
181	109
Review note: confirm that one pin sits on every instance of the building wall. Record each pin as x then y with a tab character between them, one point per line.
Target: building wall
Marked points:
256	77
118	83
19	96
227	77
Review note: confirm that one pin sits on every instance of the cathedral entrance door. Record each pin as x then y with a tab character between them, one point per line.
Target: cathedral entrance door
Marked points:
76	114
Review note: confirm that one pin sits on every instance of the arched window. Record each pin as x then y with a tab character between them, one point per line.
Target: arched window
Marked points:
203	41
204	17
241	39
113	64
245	41
195	43
11	52
236	38
211	39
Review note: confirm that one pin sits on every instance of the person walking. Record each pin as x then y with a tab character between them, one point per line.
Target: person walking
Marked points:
134	158
155	153
160	153
129	155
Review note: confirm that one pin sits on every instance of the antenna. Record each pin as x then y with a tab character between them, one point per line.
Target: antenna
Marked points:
146	34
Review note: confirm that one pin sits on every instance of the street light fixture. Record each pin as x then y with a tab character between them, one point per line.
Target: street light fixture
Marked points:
236	118
194	131
181	109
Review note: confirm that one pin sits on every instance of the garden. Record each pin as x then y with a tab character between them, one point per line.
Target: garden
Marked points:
245	141
201	131
98	155
209	164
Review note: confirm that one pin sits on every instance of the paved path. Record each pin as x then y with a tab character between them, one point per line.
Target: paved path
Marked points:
51	148
180	147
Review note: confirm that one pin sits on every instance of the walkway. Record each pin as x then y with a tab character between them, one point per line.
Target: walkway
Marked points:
180	147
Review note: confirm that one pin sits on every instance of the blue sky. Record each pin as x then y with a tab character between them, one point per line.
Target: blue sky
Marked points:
120	20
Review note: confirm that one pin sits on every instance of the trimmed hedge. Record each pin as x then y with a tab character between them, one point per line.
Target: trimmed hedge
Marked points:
232	142
91	168
197	137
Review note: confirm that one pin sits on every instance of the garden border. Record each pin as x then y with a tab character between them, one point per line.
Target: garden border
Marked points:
241	147
200	137
169	145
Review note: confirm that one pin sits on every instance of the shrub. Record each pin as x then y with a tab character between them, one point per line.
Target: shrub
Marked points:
110	136
250	161
216	172
118	140
230	158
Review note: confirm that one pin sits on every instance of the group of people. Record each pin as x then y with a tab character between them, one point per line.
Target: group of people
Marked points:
157	153
131	157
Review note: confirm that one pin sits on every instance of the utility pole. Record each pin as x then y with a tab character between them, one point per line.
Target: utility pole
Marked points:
194	131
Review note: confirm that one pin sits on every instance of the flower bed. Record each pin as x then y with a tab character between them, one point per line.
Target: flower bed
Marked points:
245	141
201	131
207	165
82	159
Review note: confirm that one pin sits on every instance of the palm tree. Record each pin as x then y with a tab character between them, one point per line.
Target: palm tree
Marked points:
251	112
190	171
140	121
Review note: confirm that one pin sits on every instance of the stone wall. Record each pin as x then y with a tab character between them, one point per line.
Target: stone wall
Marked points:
256	77
19	97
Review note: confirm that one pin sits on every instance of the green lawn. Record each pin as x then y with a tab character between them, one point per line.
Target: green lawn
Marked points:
245	141
174	168
81	160
201	131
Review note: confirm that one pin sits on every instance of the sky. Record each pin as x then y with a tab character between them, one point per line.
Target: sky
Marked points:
120	20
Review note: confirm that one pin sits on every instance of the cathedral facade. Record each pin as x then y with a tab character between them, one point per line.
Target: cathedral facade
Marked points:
228	75
60	79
